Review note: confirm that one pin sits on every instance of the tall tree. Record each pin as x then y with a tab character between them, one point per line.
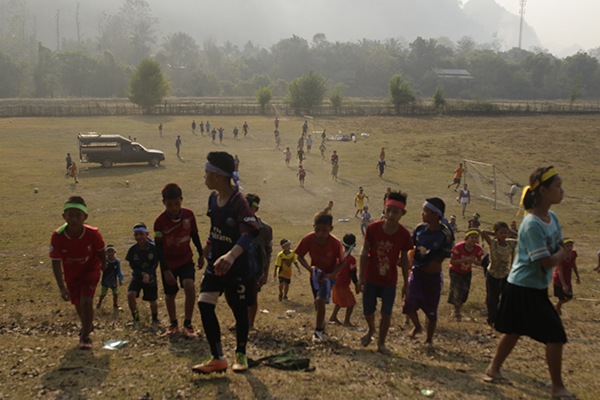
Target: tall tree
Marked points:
401	93
307	92
148	85
263	96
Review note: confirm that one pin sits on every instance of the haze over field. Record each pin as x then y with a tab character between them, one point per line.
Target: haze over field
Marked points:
559	26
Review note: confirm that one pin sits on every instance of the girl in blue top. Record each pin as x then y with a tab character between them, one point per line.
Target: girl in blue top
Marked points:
525	308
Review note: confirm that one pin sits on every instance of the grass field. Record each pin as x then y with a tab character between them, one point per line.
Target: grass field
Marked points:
38	355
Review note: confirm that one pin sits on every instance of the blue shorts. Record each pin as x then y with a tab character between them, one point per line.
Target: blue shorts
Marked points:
387	294
320	285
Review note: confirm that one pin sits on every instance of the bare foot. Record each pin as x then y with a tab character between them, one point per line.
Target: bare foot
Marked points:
384	350
349	324
335	321
365	340
494	376
563	394
415	331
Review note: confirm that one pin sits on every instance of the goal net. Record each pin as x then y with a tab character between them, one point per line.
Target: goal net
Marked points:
488	182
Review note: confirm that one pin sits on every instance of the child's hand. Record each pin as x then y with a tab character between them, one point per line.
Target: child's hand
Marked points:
566	289
64	293
578	281
223	264
360	285
145	278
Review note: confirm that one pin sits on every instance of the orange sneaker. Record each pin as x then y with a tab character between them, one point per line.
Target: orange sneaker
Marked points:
188	332
210	366
172	330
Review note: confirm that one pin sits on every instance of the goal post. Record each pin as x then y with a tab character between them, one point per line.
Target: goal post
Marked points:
488	182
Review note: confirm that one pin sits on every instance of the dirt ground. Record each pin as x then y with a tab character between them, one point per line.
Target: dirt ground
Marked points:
39	358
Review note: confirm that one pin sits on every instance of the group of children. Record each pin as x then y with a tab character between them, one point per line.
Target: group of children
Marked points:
517	294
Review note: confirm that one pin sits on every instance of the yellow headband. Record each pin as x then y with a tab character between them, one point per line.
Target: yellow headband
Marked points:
545	176
567	241
471	232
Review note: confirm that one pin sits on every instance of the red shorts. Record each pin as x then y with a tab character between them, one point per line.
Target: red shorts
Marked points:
83	286
342	296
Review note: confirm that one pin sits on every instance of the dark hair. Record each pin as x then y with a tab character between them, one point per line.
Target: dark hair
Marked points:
499	225
222	160
253	199
77	200
283	241
323	218
171	191
349	240
397	195
140	225
439	203
531	197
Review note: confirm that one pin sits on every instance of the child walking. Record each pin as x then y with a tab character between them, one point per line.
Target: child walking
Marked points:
283	267
173	230
502	252
341	295
365	220
525	308
385	249
433	241
78	257
231	265
561	279
326	261
111	274
143	260
464	255
301	174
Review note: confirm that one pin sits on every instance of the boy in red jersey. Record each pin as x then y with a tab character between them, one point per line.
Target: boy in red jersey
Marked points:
386	246
464	256
173	230
326	261
561	278
77	250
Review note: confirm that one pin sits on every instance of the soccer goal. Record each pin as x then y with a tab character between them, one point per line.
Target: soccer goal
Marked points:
488	182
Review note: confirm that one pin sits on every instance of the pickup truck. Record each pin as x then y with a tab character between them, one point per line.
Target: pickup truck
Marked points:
110	149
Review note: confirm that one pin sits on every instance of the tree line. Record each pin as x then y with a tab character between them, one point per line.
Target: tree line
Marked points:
103	66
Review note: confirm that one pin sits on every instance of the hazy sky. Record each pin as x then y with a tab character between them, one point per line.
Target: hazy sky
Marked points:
561	24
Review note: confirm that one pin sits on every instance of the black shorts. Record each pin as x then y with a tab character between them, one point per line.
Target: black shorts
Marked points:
186	271
456	180
561	294
284	280
238	292
150	289
529	312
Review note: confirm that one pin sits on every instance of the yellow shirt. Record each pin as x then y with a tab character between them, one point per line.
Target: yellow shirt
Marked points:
360	200
284	263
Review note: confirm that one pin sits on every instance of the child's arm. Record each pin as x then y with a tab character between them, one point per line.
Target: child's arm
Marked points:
196	240
404	264
298	267
120	273
362	266
562	278
303	262
102	257
58	275
487	236
576	273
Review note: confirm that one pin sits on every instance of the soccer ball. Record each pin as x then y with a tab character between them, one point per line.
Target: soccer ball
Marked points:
35	190
127	183
264	180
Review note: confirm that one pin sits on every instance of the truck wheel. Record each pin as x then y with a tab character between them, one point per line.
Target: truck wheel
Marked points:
155	162
107	163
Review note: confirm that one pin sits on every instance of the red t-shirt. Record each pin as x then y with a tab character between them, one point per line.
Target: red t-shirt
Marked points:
325	257
174	235
567	269
79	255
384	253
459	252
343	278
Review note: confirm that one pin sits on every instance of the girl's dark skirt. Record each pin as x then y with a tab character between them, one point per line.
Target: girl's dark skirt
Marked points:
528	312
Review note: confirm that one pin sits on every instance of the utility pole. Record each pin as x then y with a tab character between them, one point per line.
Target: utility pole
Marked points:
522	4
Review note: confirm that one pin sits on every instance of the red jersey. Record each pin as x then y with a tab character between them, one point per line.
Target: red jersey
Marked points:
384	253
79	255
344	278
459	252
174	235
325	257
567	268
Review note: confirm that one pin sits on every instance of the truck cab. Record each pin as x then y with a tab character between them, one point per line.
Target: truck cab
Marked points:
109	149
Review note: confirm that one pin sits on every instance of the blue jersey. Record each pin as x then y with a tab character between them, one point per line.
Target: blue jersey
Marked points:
143	260
537	239
112	273
233	223
431	245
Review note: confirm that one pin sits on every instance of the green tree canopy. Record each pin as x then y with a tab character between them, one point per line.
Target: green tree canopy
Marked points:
148	85
400	92
307	91
264	95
